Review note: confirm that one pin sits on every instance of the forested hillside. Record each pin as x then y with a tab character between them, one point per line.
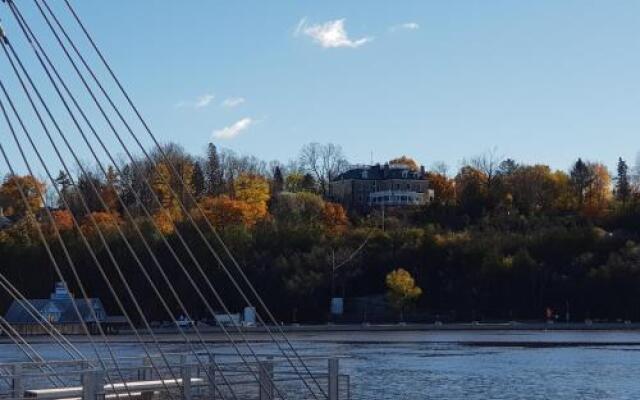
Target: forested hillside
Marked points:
502	240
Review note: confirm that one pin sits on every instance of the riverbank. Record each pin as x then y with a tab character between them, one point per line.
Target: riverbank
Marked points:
472	334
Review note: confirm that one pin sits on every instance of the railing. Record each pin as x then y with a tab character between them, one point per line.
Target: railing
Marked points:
221	376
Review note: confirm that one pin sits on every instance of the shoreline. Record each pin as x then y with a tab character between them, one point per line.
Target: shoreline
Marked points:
494	334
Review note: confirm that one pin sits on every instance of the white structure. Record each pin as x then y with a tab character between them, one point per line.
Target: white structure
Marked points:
400	198
249	316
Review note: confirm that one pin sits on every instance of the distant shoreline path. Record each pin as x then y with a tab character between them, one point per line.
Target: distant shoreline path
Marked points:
527	335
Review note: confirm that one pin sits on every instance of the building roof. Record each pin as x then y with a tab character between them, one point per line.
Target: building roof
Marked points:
5	222
19	314
381	172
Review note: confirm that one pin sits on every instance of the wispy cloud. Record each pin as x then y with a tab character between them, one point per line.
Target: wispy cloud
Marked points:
233	102
331	34
408	26
200	102
233	130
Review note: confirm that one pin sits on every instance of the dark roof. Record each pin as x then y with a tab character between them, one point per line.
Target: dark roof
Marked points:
380	172
18	313
5	222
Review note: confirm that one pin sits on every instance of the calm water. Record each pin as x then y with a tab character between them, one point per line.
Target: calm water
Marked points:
469	365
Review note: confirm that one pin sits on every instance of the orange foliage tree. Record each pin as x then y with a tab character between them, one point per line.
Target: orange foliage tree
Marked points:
62	219
335	218
443	188
106	222
222	211
11	199
408	161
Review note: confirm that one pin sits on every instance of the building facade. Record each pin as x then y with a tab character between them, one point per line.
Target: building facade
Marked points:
365	187
62	310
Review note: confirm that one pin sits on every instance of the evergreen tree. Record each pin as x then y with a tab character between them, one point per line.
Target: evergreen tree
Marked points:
213	180
63	183
581	178
507	167
278	180
197	180
623	187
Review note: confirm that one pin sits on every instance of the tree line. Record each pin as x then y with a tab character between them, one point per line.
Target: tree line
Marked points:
501	240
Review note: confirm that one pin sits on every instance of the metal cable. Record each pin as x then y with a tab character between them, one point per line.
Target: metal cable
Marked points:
177	175
147	246
133	160
57	234
163	236
97	159
84	239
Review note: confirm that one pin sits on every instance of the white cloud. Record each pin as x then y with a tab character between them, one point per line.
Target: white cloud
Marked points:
410	26
233	102
231	131
204	100
200	102
331	34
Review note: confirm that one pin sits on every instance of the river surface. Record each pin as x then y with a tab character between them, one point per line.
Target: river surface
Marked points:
459	365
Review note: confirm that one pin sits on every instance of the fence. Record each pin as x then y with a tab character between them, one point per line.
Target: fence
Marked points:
184	377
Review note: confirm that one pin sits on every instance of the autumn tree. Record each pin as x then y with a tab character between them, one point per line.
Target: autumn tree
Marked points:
533	188
106	222
222	211
335	218
63	220
443	188
407	161
11	198
471	190
162	187
599	191
401	289
254	191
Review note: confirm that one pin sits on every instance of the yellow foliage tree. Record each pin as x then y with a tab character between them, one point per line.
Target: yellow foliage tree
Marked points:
163	222
599	192
11	199
254	191
402	289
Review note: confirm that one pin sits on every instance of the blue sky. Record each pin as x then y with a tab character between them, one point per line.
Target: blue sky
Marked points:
543	81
